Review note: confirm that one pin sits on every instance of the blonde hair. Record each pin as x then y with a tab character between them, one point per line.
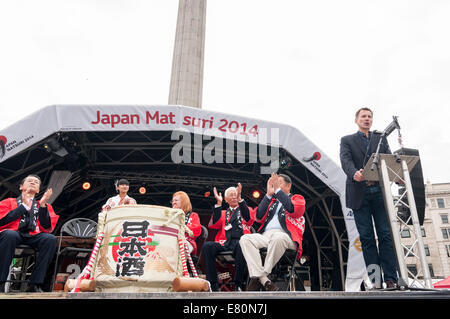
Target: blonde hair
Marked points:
186	205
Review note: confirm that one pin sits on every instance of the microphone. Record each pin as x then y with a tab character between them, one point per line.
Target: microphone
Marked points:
392	126
397	125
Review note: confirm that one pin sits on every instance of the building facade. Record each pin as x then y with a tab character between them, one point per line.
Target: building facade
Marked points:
438	209
435	233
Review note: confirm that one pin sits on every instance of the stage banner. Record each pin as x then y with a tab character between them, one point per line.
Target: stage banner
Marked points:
356	267
30	130
218	128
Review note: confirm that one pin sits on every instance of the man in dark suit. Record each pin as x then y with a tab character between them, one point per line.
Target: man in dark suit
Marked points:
366	200
231	224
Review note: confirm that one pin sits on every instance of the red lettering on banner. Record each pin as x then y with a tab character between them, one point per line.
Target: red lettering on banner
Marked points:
198	122
114	119
160	118
237	128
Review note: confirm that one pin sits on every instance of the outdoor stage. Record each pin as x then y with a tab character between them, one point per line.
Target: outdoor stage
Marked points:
141	149
261	296
248	305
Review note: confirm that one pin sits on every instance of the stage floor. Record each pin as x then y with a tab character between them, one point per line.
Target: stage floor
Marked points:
397	294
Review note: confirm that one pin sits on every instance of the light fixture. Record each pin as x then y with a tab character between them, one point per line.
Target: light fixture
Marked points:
207	190
256	194
142	190
285	160
53	146
47	148
86	185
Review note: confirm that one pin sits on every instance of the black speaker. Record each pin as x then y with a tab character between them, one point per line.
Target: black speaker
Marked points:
418	187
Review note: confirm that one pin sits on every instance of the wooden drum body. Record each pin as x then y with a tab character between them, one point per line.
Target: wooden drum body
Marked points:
140	250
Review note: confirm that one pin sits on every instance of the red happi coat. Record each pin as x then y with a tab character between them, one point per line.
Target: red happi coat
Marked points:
10	204
221	237
295	222
195	226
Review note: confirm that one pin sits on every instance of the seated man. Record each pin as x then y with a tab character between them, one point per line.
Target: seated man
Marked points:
232	223
26	220
282	223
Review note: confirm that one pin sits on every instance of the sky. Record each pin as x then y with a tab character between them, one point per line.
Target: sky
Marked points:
308	64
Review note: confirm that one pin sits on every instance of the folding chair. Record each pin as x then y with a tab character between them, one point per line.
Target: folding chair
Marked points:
200	240
226	262
81	228
17	275
286	274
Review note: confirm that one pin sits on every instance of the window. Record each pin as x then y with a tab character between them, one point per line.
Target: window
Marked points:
406	233
427	250
444	233
407	251
422	229
440	203
412	268
430	267
444	219
448	250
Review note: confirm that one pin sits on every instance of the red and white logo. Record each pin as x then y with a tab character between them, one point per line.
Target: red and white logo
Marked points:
3	142
315	157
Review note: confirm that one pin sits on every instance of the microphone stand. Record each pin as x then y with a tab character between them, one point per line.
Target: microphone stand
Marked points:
388	130
375	163
376	155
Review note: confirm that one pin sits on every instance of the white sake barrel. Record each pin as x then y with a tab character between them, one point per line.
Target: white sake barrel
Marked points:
140	250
